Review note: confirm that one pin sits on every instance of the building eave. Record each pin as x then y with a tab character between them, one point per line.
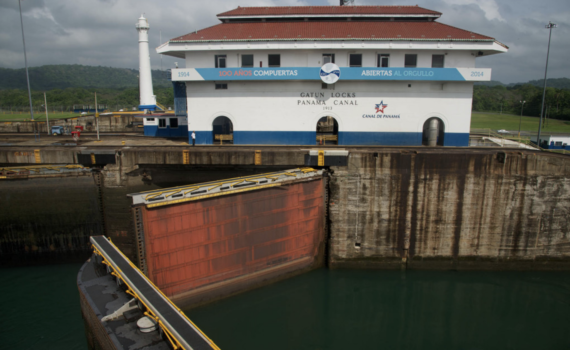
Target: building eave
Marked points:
332	39
332	16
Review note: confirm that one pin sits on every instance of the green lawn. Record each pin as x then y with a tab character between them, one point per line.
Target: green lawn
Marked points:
7	117
497	121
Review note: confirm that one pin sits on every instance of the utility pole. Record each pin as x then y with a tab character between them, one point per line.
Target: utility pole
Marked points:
47	117
549	26
520	119
26	61
97	116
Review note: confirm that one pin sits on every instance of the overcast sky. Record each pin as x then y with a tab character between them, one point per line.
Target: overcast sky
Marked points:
102	32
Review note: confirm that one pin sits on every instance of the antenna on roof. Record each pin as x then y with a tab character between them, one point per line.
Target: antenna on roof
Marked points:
346	2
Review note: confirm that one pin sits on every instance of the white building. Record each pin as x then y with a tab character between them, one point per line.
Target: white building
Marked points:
257	76
548	141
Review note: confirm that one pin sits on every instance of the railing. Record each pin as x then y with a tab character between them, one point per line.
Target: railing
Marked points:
161	106
322	139
170	334
224	137
521	139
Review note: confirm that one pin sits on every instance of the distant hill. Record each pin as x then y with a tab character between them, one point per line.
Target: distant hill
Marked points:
69	76
489	83
559	83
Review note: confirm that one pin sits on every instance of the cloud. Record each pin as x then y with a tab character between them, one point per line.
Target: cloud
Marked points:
102	32
489	7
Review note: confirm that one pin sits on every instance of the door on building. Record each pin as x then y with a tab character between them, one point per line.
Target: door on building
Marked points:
223	130
433	132
327	131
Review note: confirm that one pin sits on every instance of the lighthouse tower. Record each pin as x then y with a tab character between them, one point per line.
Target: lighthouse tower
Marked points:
147	97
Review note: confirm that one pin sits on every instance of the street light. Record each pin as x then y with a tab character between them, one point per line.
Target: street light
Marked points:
549	26
520	119
26	61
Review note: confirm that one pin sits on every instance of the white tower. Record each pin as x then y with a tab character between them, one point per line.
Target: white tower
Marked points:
147	97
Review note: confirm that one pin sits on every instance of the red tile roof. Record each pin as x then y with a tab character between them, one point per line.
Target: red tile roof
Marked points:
329	10
333	30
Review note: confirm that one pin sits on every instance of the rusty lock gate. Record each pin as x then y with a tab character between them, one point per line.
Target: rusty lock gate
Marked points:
236	230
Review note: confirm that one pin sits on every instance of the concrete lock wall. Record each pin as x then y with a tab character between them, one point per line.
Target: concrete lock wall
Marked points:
443	210
107	123
48	219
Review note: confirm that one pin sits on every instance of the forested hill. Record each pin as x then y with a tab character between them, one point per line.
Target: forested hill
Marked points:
558	83
69	76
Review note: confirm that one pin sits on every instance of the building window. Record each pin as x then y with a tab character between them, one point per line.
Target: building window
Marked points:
162	123
173	123
384	60
437	61
274	60
221	86
355	60
558	143
328	58
247	61
149	119
411	61
220	61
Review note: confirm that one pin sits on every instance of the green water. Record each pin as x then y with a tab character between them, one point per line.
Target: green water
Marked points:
39	308
323	309
348	309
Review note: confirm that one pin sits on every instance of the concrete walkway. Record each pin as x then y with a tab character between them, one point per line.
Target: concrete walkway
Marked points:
508	143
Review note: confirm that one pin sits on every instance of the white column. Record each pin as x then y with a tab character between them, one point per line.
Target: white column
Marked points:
147	97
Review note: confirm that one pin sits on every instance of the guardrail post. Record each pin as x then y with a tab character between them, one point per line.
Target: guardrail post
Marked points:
321	158
37	156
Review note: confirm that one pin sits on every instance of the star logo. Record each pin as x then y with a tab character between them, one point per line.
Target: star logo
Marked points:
380	107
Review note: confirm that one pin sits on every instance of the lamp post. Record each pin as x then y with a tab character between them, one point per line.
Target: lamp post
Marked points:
97	116
47	116
26	61
520	119
549	26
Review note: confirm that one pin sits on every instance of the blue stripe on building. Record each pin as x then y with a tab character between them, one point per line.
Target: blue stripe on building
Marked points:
380	138
149	107
153	130
344	138
456	139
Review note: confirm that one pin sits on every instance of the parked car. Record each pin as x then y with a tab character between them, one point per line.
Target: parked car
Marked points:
60	130
57	130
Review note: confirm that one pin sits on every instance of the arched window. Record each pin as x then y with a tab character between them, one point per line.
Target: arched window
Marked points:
223	130
327	131
433	132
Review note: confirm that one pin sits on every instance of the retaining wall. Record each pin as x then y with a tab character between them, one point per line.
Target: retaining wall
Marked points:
469	210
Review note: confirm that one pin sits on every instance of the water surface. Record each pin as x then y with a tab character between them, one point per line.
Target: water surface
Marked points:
39	308
350	309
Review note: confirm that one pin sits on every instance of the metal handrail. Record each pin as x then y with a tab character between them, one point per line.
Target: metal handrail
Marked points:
524	140
116	271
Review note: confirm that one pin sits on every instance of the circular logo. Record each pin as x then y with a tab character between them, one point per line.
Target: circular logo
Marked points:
330	73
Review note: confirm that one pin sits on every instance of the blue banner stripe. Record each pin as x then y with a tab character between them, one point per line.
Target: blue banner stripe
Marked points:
314	73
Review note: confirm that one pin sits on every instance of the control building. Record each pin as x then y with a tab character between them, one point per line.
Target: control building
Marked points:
352	75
